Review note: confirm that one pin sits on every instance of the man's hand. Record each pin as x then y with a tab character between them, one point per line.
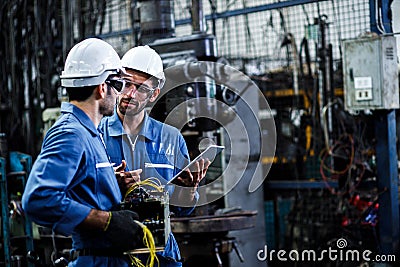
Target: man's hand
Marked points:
192	178
126	179
122	230
189	181
119	228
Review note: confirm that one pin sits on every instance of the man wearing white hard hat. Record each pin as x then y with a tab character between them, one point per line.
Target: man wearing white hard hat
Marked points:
72	187
146	145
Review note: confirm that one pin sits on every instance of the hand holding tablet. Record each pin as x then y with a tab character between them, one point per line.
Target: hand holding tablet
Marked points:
208	154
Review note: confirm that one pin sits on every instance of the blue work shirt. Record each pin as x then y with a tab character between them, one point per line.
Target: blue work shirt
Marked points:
71	176
159	150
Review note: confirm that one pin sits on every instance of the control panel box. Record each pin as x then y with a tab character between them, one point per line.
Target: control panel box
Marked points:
370	73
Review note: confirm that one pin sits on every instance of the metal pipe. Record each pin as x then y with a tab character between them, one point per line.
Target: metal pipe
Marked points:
198	19
226	14
249	10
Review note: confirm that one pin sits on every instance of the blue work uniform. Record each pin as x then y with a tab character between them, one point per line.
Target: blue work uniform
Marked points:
159	150
71	176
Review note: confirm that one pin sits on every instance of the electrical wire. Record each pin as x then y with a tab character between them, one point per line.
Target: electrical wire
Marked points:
331	152
148	241
54	253
151	182
336	174
325	125
378	17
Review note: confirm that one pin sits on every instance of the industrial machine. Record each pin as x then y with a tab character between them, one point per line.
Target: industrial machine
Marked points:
370	72
201	98
330	103
152	206
183	59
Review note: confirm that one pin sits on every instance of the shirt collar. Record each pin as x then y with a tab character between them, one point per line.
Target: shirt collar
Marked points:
116	128
80	115
148	130
115	125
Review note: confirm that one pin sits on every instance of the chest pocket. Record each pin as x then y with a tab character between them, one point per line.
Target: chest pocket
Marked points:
159	166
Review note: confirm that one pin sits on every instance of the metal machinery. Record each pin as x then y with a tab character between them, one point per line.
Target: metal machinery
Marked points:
185	60
17	232
153	210
332	191
336	141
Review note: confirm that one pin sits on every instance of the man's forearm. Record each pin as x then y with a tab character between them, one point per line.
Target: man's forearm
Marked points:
97	219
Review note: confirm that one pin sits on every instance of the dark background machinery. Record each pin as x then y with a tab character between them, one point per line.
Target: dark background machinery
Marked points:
185	60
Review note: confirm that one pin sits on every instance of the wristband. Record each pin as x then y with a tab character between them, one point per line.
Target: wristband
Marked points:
108	221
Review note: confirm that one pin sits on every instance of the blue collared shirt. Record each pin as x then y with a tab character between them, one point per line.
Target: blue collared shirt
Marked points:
159	149
71	175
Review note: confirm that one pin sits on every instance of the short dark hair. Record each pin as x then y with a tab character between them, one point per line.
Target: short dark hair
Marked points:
80	93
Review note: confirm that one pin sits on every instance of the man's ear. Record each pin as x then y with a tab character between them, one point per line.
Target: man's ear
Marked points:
101	91
154	95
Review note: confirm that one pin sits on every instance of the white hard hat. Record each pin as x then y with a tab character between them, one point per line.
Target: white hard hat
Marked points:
90	62
146	60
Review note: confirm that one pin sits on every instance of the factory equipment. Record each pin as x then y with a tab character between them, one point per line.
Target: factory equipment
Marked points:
323	138
17	231
152	206
155	19
327	154
184	60
201	99
370	73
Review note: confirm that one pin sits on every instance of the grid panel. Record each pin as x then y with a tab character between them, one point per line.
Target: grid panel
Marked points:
260	38
118	19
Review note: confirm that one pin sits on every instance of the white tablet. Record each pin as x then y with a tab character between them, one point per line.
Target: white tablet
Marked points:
209	153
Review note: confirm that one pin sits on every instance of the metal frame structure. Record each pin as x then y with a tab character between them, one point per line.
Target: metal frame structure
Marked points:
26	162
5	213
249	10
385	124
387	170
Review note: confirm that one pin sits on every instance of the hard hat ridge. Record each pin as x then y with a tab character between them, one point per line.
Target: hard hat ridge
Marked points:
90	62
146	60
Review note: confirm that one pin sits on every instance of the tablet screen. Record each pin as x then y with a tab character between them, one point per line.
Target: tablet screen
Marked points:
209	153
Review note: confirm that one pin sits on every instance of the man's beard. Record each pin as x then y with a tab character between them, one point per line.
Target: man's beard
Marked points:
108	103
134	107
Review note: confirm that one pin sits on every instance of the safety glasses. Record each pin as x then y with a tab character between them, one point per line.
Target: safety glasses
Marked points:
141	88
123	86
117	84
141	91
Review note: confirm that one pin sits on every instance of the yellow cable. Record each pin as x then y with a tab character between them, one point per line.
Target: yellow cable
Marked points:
136	262
151	182
148	241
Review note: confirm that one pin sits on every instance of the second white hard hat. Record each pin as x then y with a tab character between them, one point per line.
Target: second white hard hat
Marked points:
146	60
90	62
